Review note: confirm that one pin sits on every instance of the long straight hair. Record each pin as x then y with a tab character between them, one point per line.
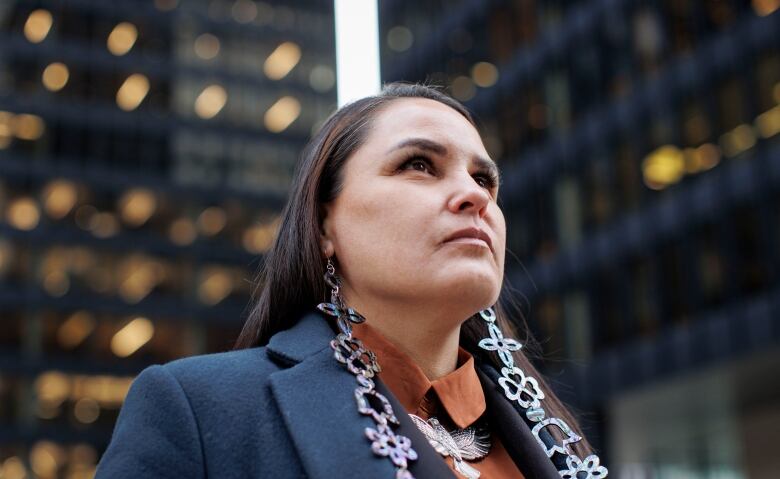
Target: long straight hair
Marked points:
290	281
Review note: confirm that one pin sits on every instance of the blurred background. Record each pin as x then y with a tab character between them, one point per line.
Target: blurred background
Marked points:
146	147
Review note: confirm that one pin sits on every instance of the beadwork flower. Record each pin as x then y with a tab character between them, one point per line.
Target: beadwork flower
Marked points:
364	406
387	443
590	466
351	352
525	390
503	346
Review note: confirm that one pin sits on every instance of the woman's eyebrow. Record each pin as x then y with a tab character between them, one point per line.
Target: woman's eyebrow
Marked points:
439	149
422	143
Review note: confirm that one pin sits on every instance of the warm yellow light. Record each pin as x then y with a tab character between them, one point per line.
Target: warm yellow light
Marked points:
55	76
27	127
13	468
122	38
215	287
484	74
463	88
81	259
86	410
59	198
212	220
23	214
768	123
104	224
132	92
37	26
108	391
6	255
765	7
738	140
52	387
6	128
207	46
282	60
210	101
663	167
45	459
182	231
83	456
700	159
56	283
282	114
139	277
137	206
258	239
75	329
132	337
6	122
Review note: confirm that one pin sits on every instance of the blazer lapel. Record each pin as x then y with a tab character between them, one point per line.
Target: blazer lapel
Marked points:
315	396
515	433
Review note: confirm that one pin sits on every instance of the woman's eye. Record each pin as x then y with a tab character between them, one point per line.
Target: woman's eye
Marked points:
418	164
485	181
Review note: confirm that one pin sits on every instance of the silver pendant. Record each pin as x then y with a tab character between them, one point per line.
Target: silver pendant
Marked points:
462	444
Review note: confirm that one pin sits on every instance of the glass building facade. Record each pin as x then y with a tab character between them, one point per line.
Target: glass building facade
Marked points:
641	159
146	147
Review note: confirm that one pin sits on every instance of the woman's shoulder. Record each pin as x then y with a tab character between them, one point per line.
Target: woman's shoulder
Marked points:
224	370
227	372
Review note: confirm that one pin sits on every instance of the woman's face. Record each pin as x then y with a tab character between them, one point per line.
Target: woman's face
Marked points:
417	219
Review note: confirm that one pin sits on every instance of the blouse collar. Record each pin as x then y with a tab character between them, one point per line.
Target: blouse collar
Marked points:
459	392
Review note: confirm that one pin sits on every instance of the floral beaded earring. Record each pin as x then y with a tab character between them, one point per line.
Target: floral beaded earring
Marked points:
524	391
361	362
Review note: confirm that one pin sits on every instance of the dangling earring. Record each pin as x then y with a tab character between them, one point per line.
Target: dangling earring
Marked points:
345	317
361	362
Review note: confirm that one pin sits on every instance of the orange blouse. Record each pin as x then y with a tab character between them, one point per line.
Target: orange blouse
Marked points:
456	399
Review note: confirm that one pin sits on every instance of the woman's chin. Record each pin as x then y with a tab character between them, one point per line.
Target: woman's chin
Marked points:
478	286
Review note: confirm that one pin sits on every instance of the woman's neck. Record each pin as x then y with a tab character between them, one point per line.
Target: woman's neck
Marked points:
430	339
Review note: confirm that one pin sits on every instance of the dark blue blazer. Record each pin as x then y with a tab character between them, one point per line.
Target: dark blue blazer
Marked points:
286	410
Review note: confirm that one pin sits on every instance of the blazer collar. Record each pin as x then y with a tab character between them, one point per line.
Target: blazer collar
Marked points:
315	398
310	335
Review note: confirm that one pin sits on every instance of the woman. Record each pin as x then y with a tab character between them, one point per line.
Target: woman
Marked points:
393	215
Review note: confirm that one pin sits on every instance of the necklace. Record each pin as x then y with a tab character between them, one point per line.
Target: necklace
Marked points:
470	443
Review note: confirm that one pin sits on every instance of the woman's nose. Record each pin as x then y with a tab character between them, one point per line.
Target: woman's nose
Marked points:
468	197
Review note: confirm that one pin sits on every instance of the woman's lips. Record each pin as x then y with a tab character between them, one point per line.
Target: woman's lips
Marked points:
473	236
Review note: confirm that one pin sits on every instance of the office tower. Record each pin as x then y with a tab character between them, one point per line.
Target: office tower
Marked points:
639	147
146	147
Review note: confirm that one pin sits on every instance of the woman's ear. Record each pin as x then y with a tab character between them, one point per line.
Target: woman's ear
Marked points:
326	239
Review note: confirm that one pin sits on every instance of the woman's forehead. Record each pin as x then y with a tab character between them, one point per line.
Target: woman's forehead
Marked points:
421	117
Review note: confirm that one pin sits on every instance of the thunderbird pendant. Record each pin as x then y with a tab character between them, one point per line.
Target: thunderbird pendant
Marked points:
462	444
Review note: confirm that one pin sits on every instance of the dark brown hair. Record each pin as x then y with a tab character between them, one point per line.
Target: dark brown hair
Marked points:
290	282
